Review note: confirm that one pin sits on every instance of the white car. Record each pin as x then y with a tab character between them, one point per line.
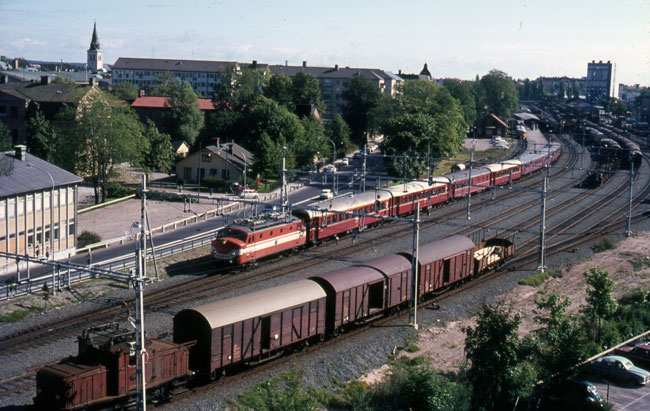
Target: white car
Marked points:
331	168
249	194
345	161
326	194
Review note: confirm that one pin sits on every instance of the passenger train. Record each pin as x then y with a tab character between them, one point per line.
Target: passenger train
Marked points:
248	240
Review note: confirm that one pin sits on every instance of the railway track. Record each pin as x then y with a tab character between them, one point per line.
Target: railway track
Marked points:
211	284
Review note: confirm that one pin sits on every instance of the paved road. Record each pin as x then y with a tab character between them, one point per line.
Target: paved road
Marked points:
624	397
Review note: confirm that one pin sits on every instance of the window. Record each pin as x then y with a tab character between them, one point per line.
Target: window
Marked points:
206	157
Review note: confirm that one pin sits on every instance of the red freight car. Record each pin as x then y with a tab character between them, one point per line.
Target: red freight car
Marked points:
397	270
105	370
251	327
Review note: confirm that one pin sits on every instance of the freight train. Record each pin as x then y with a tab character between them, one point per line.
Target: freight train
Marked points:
216	339
248	240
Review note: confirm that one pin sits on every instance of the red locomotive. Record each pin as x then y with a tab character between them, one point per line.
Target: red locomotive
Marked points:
248	241
214	339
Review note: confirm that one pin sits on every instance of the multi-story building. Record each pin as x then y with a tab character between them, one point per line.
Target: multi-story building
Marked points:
203	75
38	207
628	94
598	84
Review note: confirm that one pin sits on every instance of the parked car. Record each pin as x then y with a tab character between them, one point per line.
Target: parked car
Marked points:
620	368
639	354
571	394
249	194
330	168
345	161
326	194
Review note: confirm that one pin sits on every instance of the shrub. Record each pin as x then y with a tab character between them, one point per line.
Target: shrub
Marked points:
87	238
215	182
117	190
535	280
603	245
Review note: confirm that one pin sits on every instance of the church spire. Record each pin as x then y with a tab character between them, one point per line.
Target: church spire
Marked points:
94	43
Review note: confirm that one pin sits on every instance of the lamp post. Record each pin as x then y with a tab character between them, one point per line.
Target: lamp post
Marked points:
30	165
245	164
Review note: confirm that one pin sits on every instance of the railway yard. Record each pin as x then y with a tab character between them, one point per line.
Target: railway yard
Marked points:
577	216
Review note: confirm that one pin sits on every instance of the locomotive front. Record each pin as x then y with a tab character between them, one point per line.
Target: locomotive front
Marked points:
228	245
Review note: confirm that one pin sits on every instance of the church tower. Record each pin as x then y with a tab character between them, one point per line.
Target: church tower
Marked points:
94	54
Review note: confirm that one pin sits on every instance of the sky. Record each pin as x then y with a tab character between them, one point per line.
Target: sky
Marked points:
457	38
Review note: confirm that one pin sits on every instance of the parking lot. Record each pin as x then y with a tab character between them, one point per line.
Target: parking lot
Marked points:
624	397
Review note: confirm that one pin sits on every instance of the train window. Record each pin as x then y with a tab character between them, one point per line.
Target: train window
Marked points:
271	233
281	230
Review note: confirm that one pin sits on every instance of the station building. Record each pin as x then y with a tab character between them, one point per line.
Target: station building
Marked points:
38	207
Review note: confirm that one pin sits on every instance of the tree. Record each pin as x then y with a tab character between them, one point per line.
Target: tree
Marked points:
42	139
183	120
600	302
496	370
158	153
575	90
361	96
464	93
560	343
102	133
5	138
561	91
408	135
338	131
498	94
280	90
125	91
305	90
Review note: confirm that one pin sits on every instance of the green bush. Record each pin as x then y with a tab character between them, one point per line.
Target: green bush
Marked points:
87	238
117	190
216	183
535	280
603	245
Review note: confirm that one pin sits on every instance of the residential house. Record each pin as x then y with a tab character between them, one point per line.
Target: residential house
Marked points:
153	108
38	207
227	161
490	126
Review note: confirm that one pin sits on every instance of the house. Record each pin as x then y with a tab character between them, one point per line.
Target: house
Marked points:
181	149
490	126
20	101
38	207
227	161
153	108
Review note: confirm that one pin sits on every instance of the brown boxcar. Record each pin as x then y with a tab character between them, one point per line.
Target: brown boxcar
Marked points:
444	262
248	327
398	272
70	385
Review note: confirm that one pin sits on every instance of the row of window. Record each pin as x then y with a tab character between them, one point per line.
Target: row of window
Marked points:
42	235
11	207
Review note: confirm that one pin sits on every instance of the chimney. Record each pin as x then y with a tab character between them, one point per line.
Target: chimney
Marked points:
304	63
20	152
336	67
217	142
4	79
141	93
45	80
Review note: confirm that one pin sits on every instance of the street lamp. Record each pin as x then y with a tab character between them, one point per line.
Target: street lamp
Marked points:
30	165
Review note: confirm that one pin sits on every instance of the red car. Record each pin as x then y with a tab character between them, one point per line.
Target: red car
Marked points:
640	354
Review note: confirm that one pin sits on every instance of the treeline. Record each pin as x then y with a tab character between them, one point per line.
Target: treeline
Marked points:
266	114
502	372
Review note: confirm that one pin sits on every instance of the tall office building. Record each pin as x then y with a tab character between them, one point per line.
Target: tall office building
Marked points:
598	84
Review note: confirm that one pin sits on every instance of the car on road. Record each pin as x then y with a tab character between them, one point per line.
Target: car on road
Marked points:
639	354
249	194
326	194
620	368
345	161
571	394
330	168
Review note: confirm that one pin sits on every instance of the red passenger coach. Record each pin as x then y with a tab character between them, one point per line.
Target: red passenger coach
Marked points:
459	181
251	327
505	172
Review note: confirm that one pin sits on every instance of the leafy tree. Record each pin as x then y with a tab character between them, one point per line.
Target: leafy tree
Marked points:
268	156
305	90
408	135
498	94
42	138
496	370
101	134
227	124
125	91
615	106
338	131
560	341
600	302
183	120
307	144
464	93
575	90
561	92
249	87
362	97
5	138
158	153
224	88
280	89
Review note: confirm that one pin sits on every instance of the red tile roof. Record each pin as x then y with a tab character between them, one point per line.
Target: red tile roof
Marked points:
163	102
